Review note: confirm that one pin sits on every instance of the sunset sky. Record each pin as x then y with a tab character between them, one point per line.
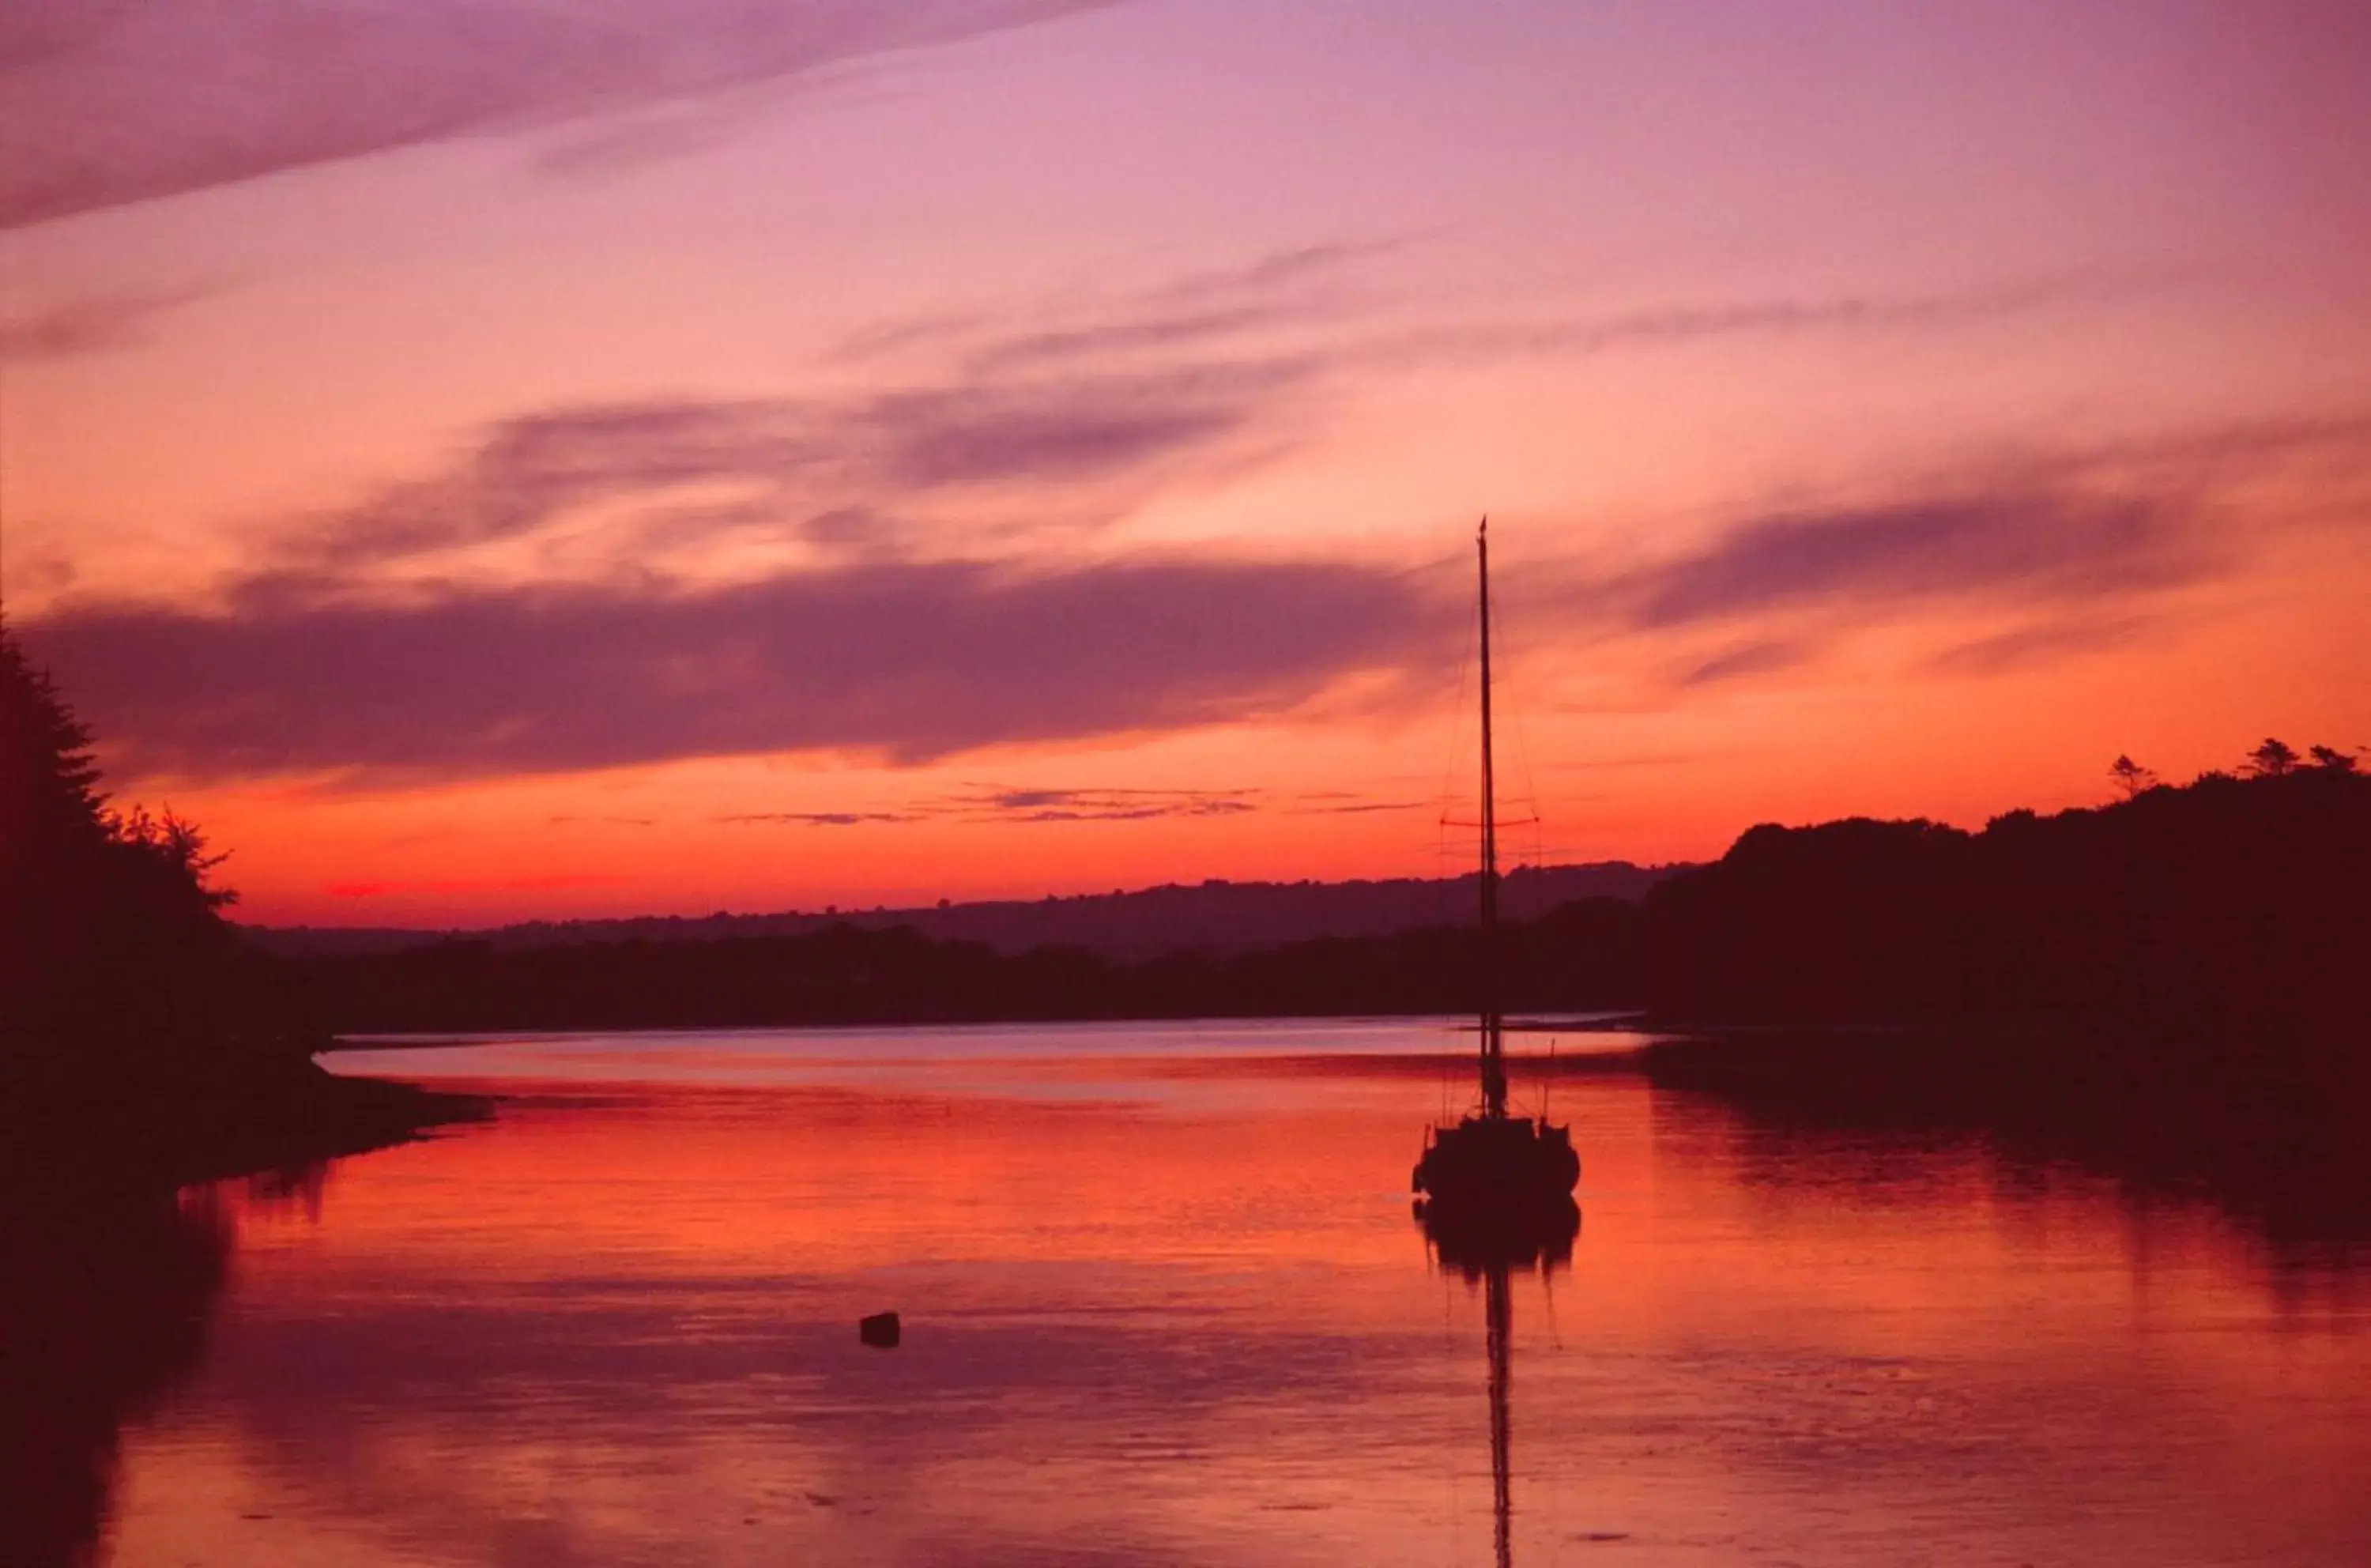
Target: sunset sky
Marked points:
491	458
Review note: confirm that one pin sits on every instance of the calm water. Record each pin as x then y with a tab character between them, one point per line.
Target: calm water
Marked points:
1164	1303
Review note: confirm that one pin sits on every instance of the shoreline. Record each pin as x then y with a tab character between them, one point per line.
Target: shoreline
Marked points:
275	1116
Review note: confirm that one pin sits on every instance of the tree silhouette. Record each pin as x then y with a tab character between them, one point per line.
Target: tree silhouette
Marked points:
2333	759
111	935
2272	759
48	786
2144	921
2131	776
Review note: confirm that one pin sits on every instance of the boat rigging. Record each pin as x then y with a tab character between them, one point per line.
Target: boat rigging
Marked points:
1491	1174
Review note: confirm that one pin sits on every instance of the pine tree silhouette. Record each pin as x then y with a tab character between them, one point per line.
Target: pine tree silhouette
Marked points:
111	938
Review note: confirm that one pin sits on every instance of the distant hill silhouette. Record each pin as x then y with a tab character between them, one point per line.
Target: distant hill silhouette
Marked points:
1580	956
1214	915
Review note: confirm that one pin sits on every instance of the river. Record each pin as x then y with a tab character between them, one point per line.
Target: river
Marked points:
1163	1302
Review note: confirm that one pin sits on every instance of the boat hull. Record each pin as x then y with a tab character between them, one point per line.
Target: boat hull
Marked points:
1487	1163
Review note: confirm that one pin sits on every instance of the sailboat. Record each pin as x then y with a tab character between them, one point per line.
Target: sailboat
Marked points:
1495	1182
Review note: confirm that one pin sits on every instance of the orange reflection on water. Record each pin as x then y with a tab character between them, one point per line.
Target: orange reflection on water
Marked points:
1159	1311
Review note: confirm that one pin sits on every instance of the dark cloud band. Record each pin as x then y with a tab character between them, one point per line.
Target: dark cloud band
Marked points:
906	662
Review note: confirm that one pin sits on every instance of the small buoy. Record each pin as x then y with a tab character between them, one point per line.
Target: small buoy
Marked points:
879	1331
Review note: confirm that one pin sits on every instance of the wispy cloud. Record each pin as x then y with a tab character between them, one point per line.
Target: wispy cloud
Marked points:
1760	656
1332	305
1001	803
1299	287
1127	335
1312	806
2042	544
1683	323
816	819
1104	805
107	104
823	473
95	324
2048	642
2064	553
1065	416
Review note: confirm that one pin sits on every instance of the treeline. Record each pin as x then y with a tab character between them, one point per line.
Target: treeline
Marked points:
1582	955
2231	909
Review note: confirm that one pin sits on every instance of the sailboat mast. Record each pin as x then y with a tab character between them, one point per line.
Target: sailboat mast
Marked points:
1494	1062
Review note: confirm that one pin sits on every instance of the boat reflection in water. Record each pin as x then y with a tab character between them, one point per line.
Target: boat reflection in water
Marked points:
1538	1240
